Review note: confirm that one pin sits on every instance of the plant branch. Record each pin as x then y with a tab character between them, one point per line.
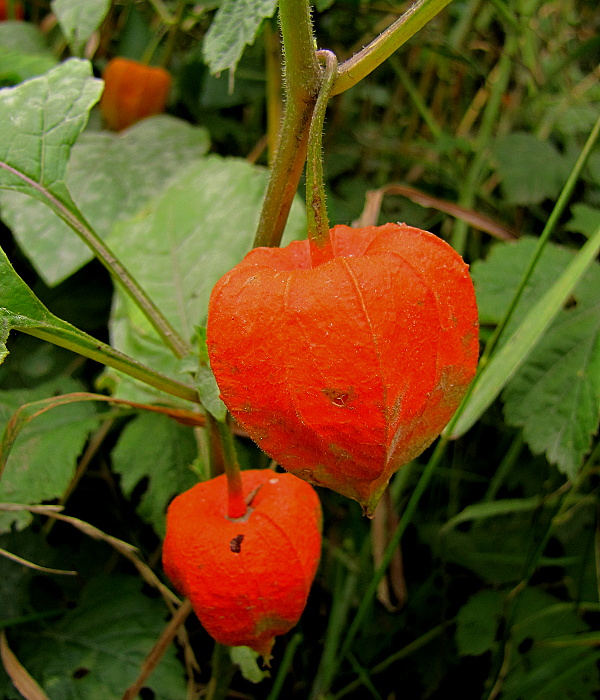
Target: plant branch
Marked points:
374	54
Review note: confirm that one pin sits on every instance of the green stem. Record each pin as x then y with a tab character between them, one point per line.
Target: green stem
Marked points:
316	214
274	87
235	492
302	77
105	354
221	675
380	49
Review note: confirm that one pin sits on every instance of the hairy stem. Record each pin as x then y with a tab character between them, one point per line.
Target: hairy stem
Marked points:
302	78
316	214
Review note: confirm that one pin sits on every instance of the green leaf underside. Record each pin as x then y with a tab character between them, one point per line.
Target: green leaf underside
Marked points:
178	248
41	119
79	19
164	460
43	459
97	650
555	395
110	178
235	25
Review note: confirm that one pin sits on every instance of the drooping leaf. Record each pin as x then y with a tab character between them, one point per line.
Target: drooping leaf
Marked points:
41	119
43	459
110	177
158	449
235	25
79	19
530	170
180	245
97	649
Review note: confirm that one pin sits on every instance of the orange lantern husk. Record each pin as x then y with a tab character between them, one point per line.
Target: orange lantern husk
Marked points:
248	578
346	371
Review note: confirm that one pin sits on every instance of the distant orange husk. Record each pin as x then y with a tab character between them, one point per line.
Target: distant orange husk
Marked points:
132	92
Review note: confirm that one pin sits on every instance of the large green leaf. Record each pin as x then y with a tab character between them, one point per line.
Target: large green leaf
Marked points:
41	119
158	449
234	27
180	245
79	19
23	52
110	177
97	650
43	459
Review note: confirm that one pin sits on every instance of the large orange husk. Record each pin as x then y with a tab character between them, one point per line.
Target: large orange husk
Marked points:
346	371
247	579
132	91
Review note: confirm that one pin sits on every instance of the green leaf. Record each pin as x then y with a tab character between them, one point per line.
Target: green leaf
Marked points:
483	510
180	245
24	311
247	660
505	363
110	178
585	219
539	671
41	119
23	37
79	19
530	170
158	449
23	52
235	25
555	395
43	459
497	277
97	650
208	390
477	623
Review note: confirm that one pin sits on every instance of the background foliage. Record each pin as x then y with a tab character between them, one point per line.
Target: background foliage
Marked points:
483	114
